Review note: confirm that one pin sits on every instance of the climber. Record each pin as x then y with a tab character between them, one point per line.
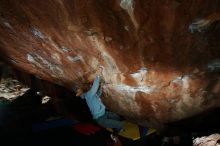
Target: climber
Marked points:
104	118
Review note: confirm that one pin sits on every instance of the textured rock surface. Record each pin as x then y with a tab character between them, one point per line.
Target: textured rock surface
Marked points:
212	140
10	88
160	58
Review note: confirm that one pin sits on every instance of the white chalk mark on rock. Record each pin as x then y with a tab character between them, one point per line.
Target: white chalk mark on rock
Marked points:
140	75
127	88
31	59
126	28
108	39
74	58
40	62
128	5
65	49
56	58
8	25
37	33
199	26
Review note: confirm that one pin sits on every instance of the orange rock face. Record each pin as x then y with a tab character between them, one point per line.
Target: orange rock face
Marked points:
160	58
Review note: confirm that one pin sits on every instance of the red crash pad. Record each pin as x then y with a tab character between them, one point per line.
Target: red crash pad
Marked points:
86	128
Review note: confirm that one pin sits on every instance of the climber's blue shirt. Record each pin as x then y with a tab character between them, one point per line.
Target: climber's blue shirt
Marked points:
93	100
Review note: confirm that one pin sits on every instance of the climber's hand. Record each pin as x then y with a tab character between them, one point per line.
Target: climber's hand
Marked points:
79	92
99	70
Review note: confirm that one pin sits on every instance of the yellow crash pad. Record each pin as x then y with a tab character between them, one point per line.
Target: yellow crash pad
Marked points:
131	131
